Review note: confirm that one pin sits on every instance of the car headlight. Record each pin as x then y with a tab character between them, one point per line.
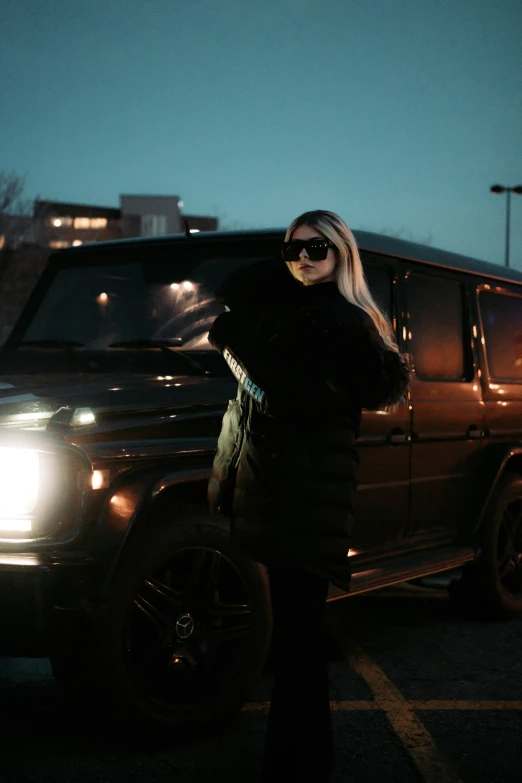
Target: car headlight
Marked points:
19	487
41	492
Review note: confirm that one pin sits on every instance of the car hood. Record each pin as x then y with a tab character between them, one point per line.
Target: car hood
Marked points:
28	401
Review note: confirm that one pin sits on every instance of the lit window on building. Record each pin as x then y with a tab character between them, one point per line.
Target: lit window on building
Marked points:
58	244
82	222
77	242
61	221
85	222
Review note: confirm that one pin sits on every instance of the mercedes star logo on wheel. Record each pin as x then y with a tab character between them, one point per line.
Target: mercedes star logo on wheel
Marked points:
185	626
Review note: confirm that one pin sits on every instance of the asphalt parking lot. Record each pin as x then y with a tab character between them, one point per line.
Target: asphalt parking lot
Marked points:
418	693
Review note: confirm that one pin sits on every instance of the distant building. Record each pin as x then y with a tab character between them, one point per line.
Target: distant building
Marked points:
150	216
60	224
25	241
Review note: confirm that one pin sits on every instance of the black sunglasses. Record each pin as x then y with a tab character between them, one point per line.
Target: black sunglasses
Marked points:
317	249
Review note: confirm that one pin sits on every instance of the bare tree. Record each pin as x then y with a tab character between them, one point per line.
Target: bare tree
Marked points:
226	223
15	210
399	233
11	189
22	258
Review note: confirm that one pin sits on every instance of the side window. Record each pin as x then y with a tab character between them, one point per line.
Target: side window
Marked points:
501	316
436	328
379	281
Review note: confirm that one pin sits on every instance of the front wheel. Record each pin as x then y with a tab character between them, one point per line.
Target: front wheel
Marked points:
185	632
492	587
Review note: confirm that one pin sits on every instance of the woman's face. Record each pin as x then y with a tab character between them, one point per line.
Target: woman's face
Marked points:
311	272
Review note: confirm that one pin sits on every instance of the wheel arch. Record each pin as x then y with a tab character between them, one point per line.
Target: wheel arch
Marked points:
499	460
139	500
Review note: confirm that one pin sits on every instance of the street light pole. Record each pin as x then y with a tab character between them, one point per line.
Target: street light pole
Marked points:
508	220
508	191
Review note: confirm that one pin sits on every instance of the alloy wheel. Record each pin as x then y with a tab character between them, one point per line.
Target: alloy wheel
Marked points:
509	553
187	629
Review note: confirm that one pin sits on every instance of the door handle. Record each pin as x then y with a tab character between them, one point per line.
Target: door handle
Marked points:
399	436
474	432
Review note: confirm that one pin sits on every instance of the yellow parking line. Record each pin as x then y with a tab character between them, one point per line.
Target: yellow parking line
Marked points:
448	704
434	705
428	760
256	706
346	706
337	706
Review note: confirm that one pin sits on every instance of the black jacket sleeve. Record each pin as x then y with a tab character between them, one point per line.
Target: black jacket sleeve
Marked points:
296	380
323	364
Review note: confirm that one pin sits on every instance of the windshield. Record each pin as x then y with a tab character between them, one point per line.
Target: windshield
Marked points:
100	306
100	311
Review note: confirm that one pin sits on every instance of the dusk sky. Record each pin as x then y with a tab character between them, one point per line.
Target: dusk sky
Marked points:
397	114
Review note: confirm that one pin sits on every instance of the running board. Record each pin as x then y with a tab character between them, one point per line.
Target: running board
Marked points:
404	568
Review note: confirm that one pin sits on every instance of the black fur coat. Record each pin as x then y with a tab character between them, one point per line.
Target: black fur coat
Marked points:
307	361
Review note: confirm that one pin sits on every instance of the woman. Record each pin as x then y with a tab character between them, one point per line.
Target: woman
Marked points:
315	353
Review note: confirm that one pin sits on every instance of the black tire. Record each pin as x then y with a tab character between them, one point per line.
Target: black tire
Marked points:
492	587
176	578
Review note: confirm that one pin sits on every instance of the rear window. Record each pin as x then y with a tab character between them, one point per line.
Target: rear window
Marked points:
501	316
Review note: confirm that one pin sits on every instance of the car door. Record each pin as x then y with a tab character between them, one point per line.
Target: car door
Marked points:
381	500
447	411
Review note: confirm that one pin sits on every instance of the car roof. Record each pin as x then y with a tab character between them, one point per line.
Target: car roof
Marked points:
366	240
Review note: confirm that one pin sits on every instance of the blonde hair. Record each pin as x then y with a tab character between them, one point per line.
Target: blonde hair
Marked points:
349	273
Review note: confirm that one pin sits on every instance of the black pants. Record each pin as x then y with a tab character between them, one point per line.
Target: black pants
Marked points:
299	742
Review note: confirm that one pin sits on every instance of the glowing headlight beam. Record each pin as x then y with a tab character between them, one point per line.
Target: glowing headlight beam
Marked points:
20	525
19	482
83	416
